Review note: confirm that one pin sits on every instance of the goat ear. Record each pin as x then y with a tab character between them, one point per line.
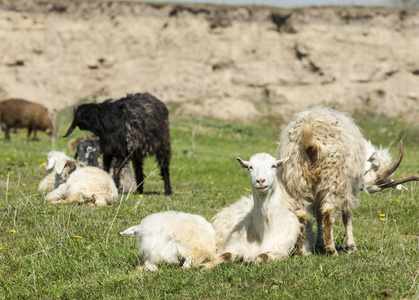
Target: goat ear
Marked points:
71	165
60	165
242	163
374	160
281	161
50	164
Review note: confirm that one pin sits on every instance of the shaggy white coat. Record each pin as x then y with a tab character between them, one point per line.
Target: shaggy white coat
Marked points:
329	164
85	185
261	227
175	238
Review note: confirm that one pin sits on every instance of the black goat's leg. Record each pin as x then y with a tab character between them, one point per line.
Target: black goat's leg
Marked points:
107	160
166	178
119	163
139	175
164	162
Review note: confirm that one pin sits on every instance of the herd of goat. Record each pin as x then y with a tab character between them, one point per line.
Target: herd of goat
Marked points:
322	164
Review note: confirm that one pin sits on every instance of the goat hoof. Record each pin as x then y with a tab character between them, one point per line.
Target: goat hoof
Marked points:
332	252
351	248
261	258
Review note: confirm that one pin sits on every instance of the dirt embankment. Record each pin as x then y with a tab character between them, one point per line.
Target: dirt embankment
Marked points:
227	63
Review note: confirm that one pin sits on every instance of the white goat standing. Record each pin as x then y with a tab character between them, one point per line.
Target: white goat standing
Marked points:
175	238
259	228
328	166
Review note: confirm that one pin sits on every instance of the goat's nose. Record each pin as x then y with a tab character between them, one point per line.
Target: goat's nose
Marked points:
260	181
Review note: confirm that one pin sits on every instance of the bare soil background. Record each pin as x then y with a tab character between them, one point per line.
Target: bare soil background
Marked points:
230	63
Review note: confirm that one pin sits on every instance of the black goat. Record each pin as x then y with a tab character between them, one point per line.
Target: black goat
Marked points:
130	128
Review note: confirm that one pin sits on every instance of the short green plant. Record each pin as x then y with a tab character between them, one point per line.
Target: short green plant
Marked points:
75	251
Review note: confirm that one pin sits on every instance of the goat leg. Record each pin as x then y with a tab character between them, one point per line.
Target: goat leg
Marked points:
347	221
327	226
302	217
139	175
223	258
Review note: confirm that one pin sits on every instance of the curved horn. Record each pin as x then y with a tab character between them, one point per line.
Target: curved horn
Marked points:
70	130
398	181
383	173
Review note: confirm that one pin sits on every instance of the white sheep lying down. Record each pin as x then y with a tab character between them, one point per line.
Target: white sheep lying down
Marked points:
175	238
85	185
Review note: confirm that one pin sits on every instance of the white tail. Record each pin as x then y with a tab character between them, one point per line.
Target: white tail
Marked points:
131	231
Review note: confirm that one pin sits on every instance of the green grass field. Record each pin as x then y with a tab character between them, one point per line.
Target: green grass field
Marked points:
76	252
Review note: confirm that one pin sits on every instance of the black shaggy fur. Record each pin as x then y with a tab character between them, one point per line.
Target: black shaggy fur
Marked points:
130	128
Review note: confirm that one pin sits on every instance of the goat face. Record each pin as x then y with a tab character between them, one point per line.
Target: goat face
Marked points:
52	159
88	152
262	168
378	171
86	117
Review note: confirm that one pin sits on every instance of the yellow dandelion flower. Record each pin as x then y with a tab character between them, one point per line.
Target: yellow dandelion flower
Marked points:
8	159
42	164
394	220
397	200
140	195
49	206
27	242
382	215
212	182
247	190
391	206
12	231
77	237
23	184
382	219
411	199
266	291
1	248
296	256
219	203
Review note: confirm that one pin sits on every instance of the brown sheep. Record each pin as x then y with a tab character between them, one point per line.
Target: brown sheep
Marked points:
19	113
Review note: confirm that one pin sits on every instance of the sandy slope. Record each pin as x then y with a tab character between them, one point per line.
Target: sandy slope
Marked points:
229	63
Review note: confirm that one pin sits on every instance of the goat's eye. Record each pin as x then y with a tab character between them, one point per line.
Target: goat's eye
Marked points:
274	166
250	168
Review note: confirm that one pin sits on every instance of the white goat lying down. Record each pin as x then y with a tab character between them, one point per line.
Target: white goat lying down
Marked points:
259	228
84	185
175	238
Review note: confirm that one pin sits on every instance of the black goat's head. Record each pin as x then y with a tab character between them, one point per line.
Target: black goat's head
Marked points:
87	117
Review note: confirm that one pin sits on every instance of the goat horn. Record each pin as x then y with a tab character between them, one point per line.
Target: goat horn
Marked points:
385	172
70	130
398	181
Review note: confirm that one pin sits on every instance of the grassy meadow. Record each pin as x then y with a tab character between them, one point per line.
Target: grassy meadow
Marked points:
76	252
